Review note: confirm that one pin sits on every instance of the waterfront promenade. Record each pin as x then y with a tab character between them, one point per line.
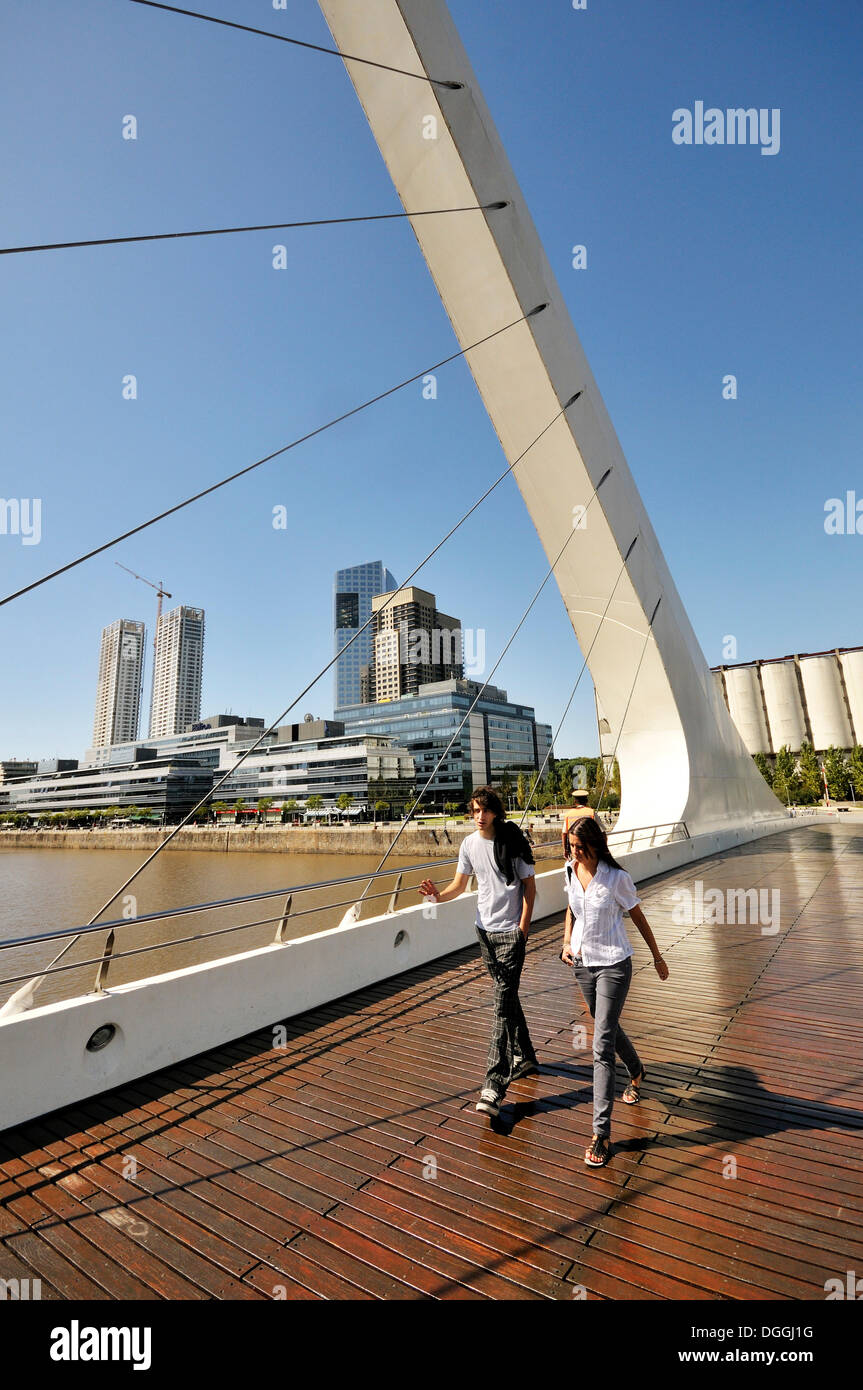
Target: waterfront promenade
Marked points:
351	1164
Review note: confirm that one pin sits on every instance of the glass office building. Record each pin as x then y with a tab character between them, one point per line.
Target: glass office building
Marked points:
353	591
498	735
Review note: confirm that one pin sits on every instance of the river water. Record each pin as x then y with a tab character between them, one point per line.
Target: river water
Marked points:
46	890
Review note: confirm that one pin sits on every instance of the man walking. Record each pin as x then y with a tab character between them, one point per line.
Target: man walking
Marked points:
501	858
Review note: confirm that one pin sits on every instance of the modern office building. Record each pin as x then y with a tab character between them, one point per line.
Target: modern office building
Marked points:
414	645
11	768
353	591
498	735
176	700
121	670
813	697
157	785
210	742
295	761
300	764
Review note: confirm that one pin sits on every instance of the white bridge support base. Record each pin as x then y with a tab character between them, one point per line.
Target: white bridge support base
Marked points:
681	758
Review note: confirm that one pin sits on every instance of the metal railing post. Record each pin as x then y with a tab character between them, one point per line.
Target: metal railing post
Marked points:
281	928
102	972
395	894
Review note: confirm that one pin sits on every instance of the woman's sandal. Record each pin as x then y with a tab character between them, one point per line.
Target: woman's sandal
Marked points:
599	1152
631	1094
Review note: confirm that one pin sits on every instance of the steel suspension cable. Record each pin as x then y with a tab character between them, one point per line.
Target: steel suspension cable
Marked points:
478	696
294	444
22	997
299	43
610	767
538	777
260	227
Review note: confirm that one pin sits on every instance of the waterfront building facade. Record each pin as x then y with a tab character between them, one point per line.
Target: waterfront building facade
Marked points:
366	768
176	700
156	785
121	671
813	697
16	767
209	742
353	591
499	735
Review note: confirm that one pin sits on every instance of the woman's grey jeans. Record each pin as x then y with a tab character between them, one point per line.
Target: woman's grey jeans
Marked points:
605	988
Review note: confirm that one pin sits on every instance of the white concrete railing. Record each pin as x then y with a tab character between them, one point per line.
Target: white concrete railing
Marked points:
45	1061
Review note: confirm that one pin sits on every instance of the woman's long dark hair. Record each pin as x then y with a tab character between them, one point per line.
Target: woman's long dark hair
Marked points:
592	836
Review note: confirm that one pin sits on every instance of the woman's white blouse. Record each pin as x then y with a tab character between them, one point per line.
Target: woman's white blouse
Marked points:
598	933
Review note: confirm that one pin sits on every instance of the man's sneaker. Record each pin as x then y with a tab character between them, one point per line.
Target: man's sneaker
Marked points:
488	1103
523	1067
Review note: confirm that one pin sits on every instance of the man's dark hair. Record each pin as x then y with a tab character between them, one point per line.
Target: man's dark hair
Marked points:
488	799
510	841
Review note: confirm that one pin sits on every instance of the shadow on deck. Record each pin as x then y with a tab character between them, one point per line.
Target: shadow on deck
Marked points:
350	1162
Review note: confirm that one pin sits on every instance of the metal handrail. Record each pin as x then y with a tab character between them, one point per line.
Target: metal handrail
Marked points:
108	953
166	912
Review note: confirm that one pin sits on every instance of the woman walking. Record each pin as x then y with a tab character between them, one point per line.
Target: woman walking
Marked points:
596	945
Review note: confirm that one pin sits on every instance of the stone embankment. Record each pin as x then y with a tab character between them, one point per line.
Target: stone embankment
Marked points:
417	842
433	843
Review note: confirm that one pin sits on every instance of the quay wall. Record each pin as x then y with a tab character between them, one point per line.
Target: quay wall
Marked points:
429	842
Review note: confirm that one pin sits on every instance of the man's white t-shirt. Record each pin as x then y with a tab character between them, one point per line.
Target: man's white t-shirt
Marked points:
498	904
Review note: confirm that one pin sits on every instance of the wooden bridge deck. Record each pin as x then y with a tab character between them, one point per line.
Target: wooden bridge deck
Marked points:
351	1164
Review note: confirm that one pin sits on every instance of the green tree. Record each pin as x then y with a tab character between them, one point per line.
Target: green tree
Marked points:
345	801
522	787
838	774
220	807
565	776
505	784
550	787
763	765
855	766
809	771
264	805
381	808
290	808
786	781
314	803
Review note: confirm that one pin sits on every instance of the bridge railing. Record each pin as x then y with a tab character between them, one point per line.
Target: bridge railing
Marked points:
646	836
287	914
387	884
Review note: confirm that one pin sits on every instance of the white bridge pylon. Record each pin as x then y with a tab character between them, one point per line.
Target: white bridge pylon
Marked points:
681	758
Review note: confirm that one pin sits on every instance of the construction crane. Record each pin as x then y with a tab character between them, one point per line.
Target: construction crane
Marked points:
160	591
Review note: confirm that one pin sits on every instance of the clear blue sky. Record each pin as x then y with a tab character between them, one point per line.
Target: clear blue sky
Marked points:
702	261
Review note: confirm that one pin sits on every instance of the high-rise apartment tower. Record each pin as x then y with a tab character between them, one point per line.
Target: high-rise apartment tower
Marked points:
353	592
414	644
176	699
121	668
